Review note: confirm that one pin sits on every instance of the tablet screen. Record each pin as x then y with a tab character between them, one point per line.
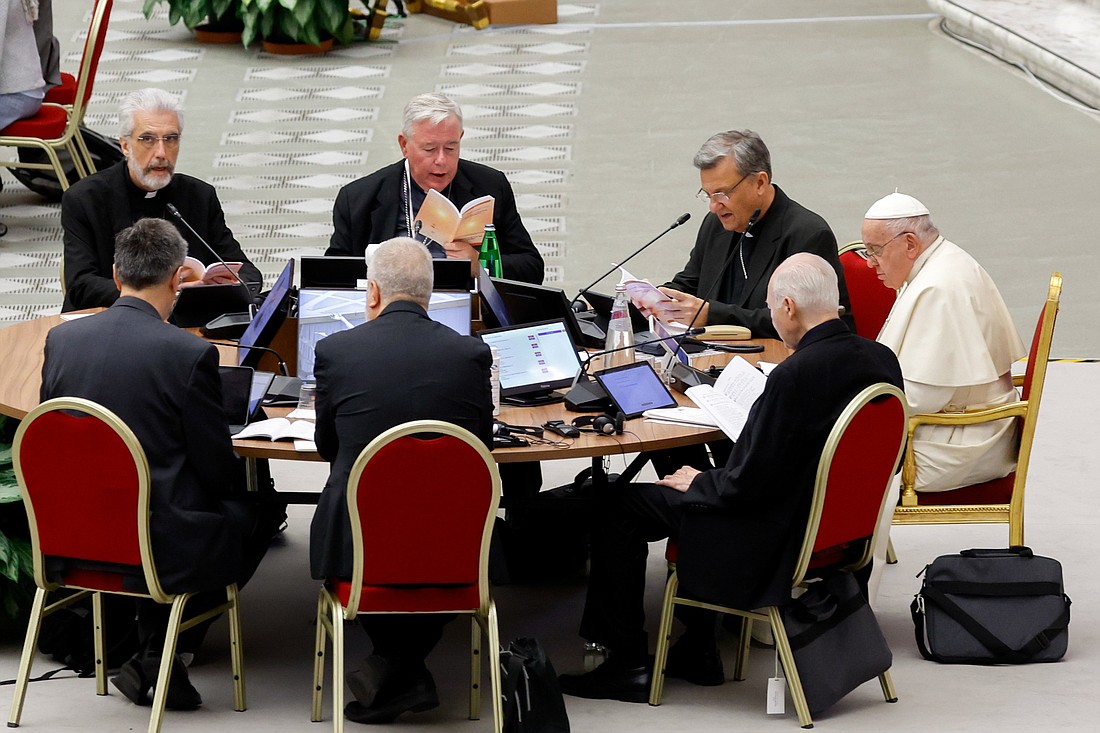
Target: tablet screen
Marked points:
635	388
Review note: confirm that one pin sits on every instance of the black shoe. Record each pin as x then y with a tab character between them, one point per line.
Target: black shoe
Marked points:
416	698
700	666
136	677
366	681
609	681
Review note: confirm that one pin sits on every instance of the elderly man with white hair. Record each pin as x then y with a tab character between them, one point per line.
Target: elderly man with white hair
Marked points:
954	338
384	204
740	527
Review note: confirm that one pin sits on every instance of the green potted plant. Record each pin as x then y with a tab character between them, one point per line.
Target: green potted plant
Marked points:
213	21
314	23
16	566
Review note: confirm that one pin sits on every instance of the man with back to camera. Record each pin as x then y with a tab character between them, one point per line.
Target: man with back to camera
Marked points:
735	172
98	207
384	204
740	527
163	382
398	366
954	338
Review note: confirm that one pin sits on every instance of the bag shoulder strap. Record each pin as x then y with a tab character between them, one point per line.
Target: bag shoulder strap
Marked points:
998	648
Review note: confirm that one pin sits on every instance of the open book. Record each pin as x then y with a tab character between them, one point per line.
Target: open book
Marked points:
726	404
229	272
278	428
441	221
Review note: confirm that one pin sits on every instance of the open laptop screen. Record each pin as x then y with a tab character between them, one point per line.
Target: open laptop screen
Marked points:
265	324
535	358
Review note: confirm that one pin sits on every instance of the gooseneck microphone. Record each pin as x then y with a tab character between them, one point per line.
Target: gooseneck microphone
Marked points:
176	213
587	395
722	272
683	217
273	352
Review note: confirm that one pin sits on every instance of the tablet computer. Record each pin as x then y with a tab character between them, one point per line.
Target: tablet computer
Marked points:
635	388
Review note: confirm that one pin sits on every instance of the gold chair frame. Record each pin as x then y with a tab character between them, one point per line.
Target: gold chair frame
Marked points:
910	510
331	613
70	140
176	625
772	614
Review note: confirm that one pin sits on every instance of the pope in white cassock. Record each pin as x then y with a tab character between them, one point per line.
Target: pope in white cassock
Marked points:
955	340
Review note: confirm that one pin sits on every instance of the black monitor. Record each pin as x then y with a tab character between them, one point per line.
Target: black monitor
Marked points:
535	360
527	303
351	272
198	305
268	319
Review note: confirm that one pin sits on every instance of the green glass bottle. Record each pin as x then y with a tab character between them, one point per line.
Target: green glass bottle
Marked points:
490	252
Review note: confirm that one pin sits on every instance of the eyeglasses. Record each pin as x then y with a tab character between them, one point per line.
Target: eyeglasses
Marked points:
171	141
874	251
719	197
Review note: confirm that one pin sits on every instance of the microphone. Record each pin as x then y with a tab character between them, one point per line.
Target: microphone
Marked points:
589	396
728	348
273	352
176	213
683	217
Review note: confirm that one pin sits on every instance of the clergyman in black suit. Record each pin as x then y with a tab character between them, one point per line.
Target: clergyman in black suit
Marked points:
164	384
98	207
739	527
398	366
384	204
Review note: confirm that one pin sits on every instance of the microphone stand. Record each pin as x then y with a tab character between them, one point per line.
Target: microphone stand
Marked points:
588	395
683	217
273	352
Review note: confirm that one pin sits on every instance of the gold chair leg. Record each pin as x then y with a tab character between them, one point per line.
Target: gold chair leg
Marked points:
741	665
475	667
320	637
794	683
99	645
168	653
89	164
337	620
664	631
26	659
887	684
891	556
236	650
494	668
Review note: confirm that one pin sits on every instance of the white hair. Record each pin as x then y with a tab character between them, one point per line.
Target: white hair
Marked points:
146	100
432	107
402	269
809	281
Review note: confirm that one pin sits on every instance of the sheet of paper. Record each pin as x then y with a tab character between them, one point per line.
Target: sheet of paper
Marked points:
681	415
729	415
741	382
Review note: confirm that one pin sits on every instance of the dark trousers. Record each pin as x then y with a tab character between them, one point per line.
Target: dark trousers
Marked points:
404	640
628	519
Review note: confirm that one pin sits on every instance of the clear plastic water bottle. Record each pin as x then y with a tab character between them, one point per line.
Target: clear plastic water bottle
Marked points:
620	333
494	380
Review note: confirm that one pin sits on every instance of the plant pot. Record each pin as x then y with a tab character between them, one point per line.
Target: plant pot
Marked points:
296	48
207	33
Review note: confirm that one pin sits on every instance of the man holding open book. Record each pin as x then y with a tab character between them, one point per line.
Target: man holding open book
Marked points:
740	527
391	201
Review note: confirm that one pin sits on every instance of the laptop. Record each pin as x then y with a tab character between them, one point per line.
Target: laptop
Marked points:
330	273
535	360
243	391
268	319
198	305
529	303
635	388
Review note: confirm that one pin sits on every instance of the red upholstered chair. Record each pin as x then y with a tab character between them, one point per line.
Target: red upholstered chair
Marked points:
871	300
1000	500
56	125
85	484
853	476
422	498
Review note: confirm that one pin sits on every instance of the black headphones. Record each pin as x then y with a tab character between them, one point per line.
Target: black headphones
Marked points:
604	424
500	428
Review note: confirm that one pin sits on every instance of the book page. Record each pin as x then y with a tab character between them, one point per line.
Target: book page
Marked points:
475	216
729	415
219	273
741	382
263	429
681	416
438	217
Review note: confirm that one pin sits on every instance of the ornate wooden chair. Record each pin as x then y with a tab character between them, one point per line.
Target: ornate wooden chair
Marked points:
853	477
55	126
1000	500
85	484
871	300
435	564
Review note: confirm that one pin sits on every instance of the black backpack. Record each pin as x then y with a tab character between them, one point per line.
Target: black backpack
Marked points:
105	152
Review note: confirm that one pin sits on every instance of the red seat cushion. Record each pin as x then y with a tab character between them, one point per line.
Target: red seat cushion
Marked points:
65	93
49	124
410	598
997	491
